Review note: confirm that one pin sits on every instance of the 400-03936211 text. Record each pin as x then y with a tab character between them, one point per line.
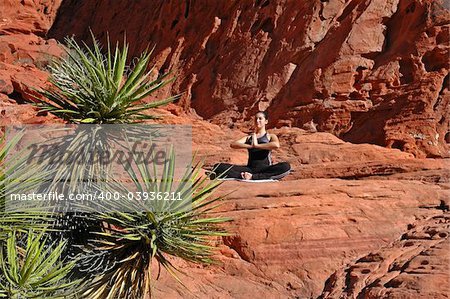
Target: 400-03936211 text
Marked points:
55	196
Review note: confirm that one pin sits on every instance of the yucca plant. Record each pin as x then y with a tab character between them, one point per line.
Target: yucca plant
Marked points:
120	254
19	177
119	242
25	270
31	267
92	87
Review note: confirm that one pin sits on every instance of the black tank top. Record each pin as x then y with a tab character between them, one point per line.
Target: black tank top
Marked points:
258	158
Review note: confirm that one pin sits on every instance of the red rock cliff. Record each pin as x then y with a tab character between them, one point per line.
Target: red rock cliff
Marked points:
366	70
23	52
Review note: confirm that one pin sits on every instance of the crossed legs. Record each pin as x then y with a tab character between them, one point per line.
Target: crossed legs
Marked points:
275	171
226	170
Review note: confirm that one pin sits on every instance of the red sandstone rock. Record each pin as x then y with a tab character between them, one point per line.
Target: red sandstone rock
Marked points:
23	55
13	114
22	62
27	16
322	155
416	266
370	71
289	236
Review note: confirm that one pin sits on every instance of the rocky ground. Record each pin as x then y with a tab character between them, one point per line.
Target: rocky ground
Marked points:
341	226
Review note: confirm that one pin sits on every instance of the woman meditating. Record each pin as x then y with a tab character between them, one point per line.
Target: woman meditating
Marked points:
259	165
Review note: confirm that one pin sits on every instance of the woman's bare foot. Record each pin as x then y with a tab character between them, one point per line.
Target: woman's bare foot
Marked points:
246	175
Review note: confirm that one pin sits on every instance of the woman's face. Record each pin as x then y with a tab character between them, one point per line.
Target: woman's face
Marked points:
260	120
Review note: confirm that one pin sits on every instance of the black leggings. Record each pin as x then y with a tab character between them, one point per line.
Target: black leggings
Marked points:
274	172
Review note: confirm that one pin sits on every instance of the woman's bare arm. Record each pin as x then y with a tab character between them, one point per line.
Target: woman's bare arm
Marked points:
240	143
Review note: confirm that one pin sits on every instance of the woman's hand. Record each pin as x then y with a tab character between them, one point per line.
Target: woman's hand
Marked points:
254	140
273	143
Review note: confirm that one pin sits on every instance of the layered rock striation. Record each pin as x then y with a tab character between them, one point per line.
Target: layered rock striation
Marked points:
368	71
24	54
347	223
